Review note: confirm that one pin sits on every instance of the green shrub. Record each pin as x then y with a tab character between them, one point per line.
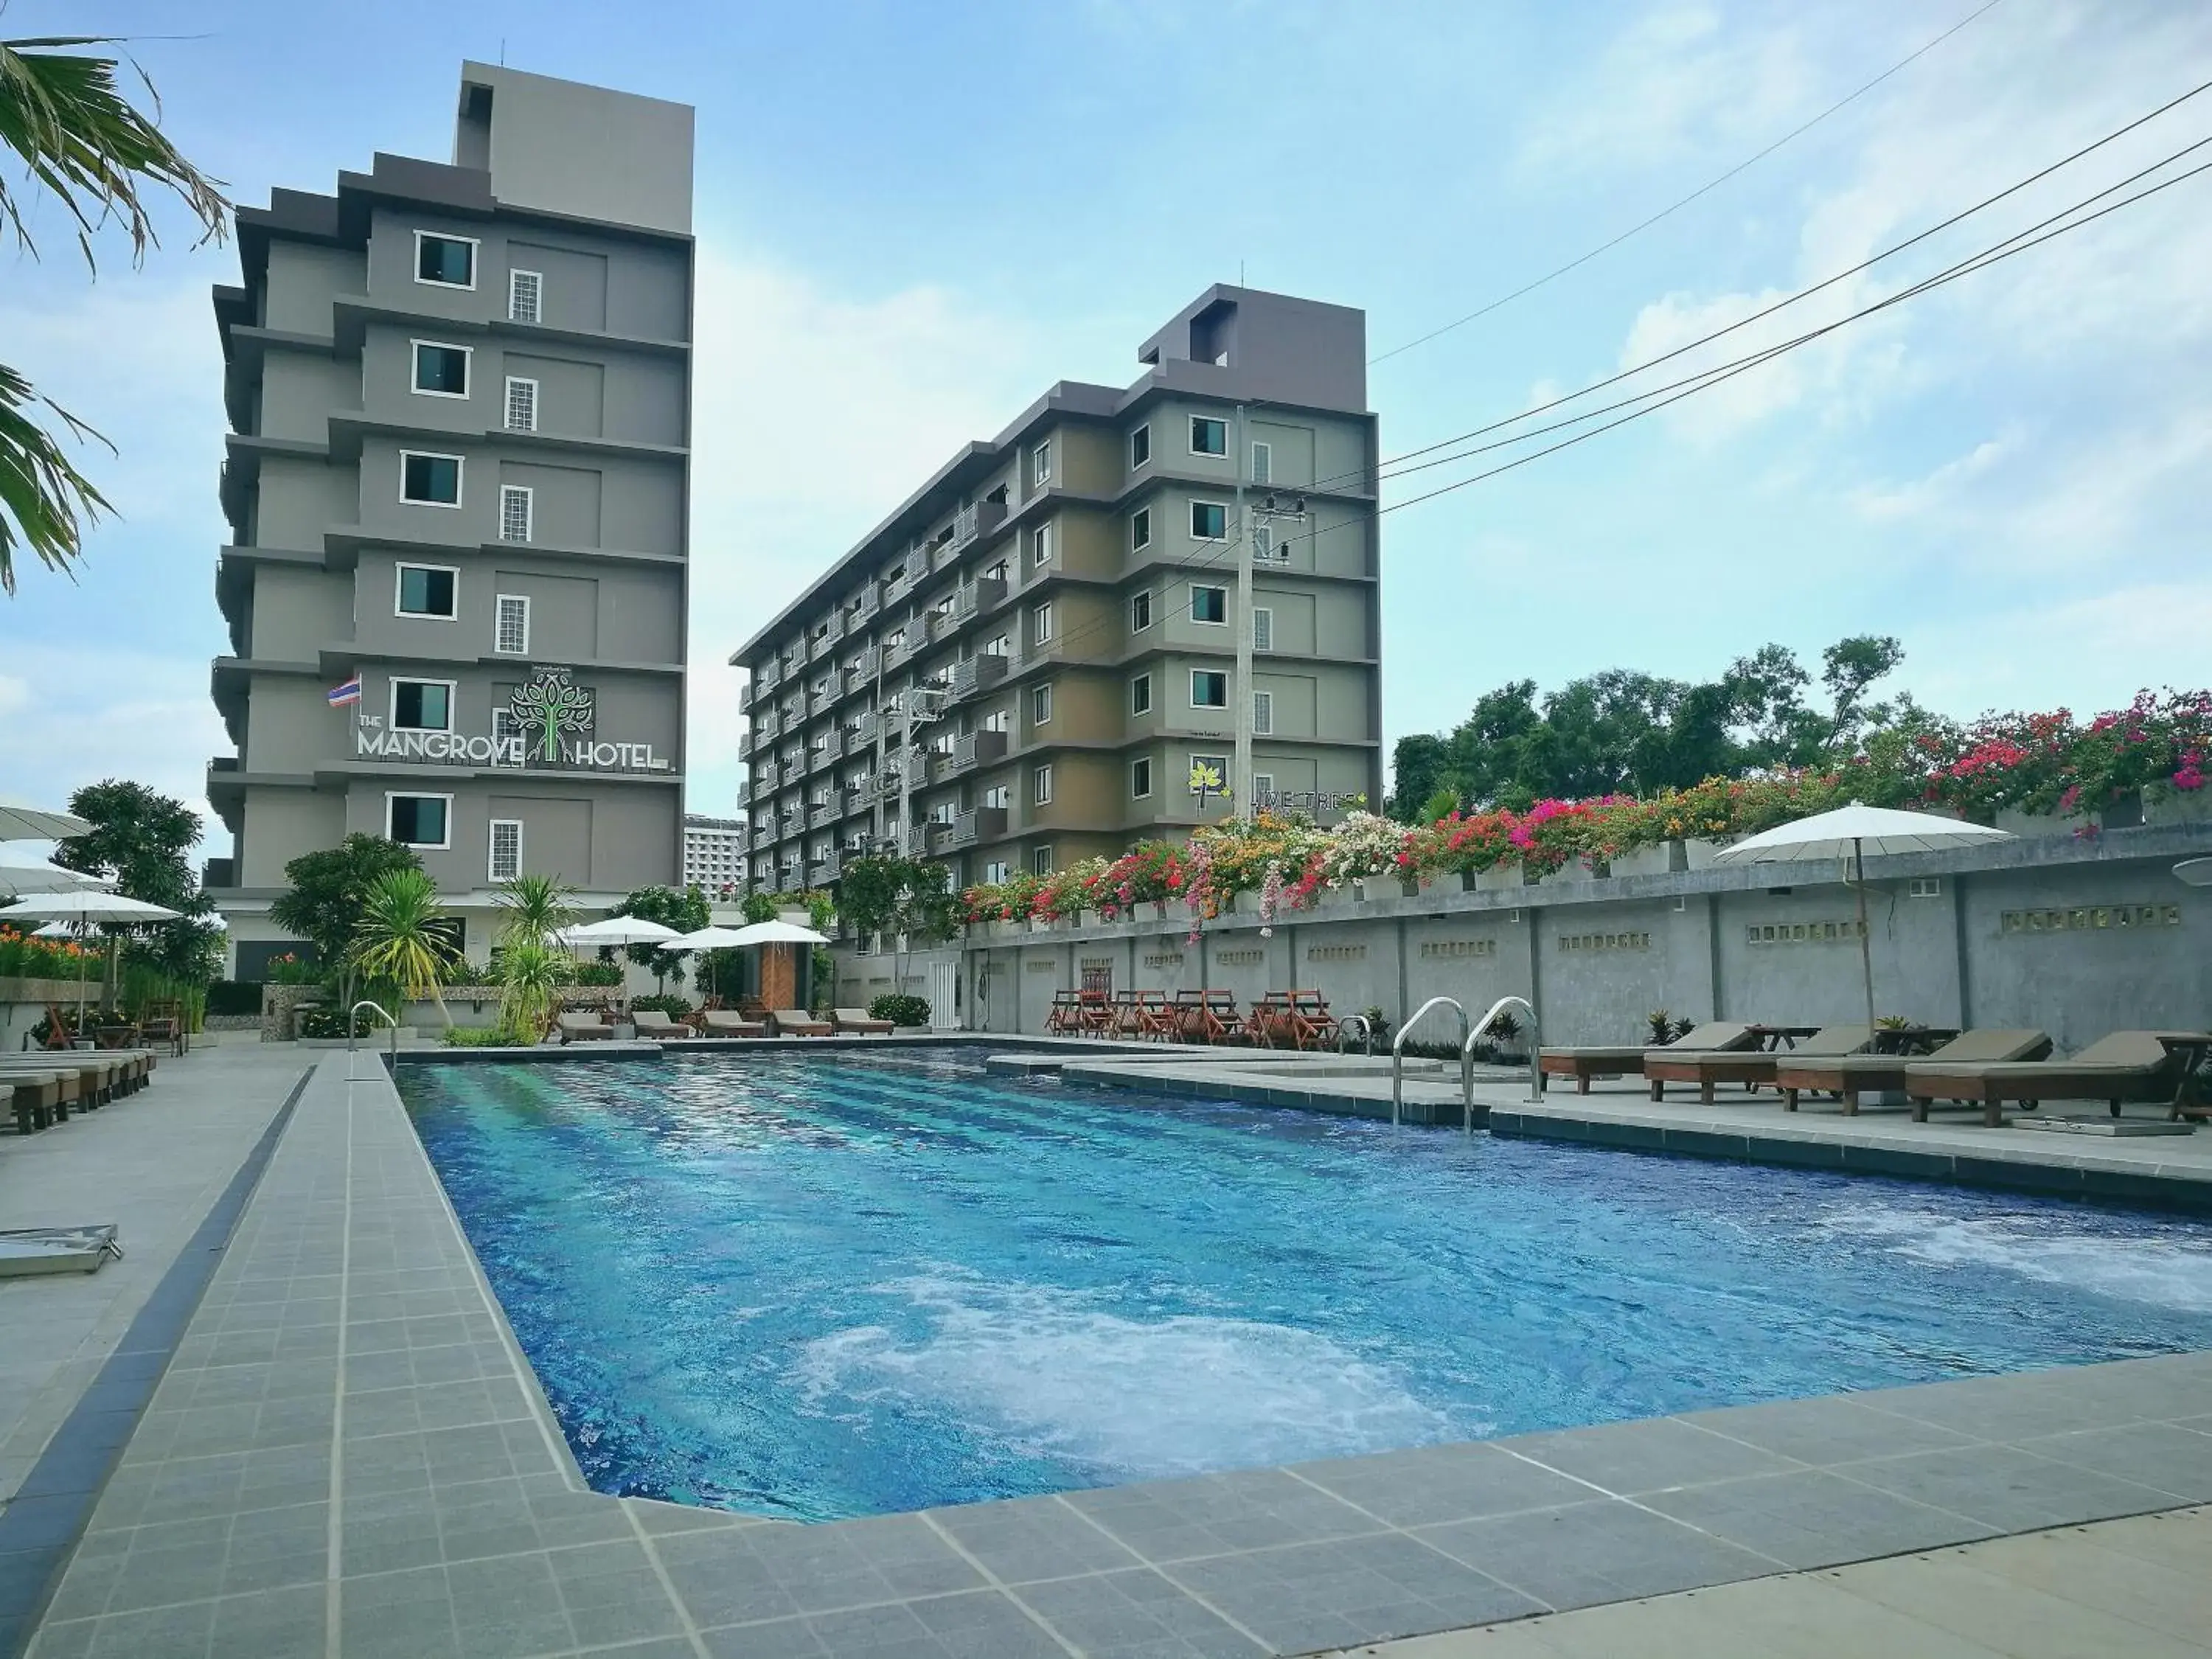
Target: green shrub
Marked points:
483	1037
598	972
289	970
318	1022
900	1008
673	1006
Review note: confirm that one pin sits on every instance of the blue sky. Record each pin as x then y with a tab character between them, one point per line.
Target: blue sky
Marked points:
913	218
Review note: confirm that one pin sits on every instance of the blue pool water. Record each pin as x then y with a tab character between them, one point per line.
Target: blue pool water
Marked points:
828	1287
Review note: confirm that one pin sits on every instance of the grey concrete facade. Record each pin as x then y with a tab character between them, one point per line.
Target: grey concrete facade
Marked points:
1070	587
459	469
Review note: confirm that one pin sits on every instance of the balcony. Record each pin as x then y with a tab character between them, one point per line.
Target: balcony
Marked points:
938	624
764	781
917	565
859	797
918	837
976	674
863	669
823	814
977	749
821	871
985	824
972	522
825	753
860	734
985	593
896	655
766	725
765	677
745	699
863	607
825	639
744	745
818	703
219	873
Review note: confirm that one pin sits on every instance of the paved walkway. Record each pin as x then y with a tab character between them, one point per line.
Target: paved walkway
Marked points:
2140	1589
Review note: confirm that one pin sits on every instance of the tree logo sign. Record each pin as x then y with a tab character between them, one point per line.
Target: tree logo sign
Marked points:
553	706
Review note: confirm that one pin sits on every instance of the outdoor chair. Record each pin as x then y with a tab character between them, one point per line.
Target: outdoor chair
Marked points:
652	1023
1094	1014
1268	1022
1750	1067
1218	1019
1623	1060
1061	1020
855	1022
583	1028
1162	1020
1850	1077
724	1023
1128	1015
2124	1066
792	1022
1187	1009
1312	1025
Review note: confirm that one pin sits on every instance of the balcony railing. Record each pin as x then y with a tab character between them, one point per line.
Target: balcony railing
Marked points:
984	593
985	824
766	675
860	734
868	603
818	703
859	797
763	781
825	753
917	564
825	638
823	814
971	522
745	698
821	871
977	749
766	725
976	674
863	669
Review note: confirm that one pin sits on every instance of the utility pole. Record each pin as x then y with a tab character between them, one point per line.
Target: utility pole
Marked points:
1240	780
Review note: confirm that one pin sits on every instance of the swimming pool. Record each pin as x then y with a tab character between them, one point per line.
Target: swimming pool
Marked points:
830	1286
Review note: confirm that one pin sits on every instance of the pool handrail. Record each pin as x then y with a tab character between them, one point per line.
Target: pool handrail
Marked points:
1398	1057
1467	1058
389	1020
1366	1033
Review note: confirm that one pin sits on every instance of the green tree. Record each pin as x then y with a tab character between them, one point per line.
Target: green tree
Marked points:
403	938
532	975
83	144
686	912
328	896
535	906
142	840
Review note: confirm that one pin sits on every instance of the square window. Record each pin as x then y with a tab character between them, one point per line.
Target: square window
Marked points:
506	849
1140	530
1140	695
449	261
1140	447
442	371
1208	436
1041	706
521	404
1263	790
525	289
511	629
1209	605
1140	779
1140	612
514	506
998	795
994	874
425	590
422	705
1209	689
1040	786
418	820
429	480
1209	521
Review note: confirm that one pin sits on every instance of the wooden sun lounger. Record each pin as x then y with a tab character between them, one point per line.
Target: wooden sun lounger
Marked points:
1749	1067
1853	1076
794	1022
2124	1066
727	1023
854	1022
1626	1059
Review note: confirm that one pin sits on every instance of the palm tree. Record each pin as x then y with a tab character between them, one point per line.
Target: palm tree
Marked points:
398	937
536	907
81	142
530	976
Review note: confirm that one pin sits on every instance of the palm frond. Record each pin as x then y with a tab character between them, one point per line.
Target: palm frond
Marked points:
41	492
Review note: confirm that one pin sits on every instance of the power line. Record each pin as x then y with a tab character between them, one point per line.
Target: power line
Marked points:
1702	190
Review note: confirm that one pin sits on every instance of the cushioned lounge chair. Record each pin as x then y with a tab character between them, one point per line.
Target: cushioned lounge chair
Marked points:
584	1028
1626	1059
2125	1065
1855	1075
1749	1067
791	1022
652	1023
852	1021
728	1022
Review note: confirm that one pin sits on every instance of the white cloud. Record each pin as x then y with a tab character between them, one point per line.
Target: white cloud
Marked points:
1922	497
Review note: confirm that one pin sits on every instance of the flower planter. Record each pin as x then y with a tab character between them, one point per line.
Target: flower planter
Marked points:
2013	821
1653	861
1499	879
2178	806
1697	854
1006	930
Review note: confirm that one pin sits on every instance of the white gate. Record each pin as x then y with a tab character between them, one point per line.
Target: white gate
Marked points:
943	976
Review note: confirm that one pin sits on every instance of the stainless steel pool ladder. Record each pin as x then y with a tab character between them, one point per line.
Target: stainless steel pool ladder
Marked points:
386	1013
1467	1058
1398	1057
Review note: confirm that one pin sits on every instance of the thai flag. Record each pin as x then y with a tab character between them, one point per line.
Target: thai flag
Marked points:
340	695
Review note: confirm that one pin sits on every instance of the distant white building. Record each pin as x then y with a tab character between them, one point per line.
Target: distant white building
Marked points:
714	856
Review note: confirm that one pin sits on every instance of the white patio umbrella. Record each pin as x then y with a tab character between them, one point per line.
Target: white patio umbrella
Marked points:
616	930
776	932
1852	832
707	938
44	879
21	821
87	908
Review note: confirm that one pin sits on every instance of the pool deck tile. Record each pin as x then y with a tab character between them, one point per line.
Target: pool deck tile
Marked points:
349	1455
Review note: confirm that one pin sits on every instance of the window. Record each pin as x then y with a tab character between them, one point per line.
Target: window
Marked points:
419	820
521	404
998	795
442	371
1263	628
449	261
1265	550
525	288
1041	706
1140	779
1041	544
1140	530
998	720
1140	612
1215	766
1140	695
508	737
1924	887
1209	521
1209	605
1041	860
514	504
994	874
1140	447
1263	789
506	849
1040	786
1041	625
1208	437
1263	714
511	626
429	480
1209	689
1263	464
945	811
1041	465
422	705
425	590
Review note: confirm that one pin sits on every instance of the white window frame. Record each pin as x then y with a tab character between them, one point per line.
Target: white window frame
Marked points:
1140	530
1040	697
1041	859
507	405
1263	633
1263	785
999	794
1144	432
995	873
399	584
1041	625
1265	550
391	701
1263	714
476	259
506	727
1140	769
528	496
492	872
1194	703
1220	507
1222	620
392	795
1040	465
514	310
460	479
1041	545
500	602
1140	689
1041	785
1140	602
998	719
1263	462
415	368
1219	454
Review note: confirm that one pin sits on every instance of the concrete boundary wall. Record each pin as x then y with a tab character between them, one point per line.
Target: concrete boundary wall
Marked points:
2077	938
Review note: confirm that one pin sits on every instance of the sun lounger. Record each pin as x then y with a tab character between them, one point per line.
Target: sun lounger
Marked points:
1626	1059
727	1023
1853	1076
652	1023
100	1076
2125	1065
584	1028
1749	1067
37	1099
852	1022
791	1022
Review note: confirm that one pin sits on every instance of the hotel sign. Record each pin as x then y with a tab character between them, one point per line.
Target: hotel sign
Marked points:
551	721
